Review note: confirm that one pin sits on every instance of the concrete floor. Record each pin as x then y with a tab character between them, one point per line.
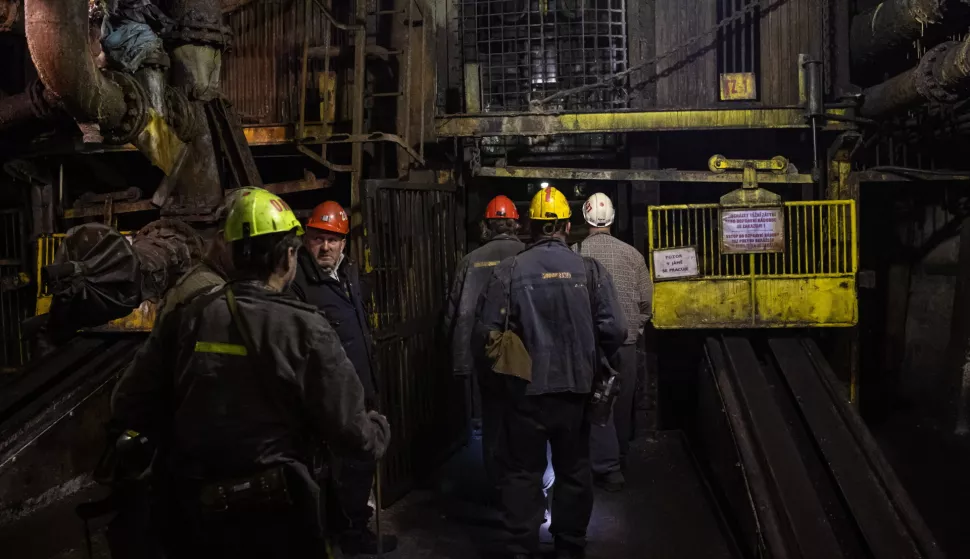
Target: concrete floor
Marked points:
663	512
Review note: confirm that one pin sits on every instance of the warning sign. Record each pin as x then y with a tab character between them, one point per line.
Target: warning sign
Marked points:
675	263
752	230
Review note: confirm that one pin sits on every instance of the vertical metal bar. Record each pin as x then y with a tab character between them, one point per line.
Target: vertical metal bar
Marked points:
409	46
421	99
810	210
303	70
357	148
793	216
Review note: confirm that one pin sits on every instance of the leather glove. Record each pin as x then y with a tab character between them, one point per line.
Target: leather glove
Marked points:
382	435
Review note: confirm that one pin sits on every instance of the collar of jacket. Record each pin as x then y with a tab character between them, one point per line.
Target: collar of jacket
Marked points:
503	237
593	234
547	241
313	270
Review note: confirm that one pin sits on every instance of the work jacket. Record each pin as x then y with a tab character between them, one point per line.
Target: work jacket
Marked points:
557	315
200	279
220	411
342	304
472	274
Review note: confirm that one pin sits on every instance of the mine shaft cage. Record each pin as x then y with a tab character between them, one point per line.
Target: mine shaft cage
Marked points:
808	281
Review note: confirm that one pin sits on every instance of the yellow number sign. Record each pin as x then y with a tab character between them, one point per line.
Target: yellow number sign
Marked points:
738	87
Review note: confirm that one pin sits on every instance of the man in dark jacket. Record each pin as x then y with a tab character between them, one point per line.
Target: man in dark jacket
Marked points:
239	387
499	233
326	279
559	304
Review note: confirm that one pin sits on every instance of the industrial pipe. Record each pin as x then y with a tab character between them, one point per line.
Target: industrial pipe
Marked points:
891	25
35	103
943	75
57	35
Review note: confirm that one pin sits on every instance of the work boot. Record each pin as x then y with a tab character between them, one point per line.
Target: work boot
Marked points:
364	542
612	481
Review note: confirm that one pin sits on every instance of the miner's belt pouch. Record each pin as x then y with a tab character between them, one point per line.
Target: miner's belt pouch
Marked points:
259	491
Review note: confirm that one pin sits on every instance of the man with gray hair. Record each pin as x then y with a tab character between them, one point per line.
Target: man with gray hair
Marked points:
609	444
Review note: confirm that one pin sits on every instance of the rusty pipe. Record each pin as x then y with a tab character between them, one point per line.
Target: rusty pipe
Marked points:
57	35
942	75
891	25
36	103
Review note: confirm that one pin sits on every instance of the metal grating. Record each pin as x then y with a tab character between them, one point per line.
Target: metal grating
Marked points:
16	301
739	44
738	49
261	74
529	49
412	232
820	240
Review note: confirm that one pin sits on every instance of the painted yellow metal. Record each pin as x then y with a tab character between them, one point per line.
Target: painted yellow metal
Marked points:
140	320
812	283
738	86
530	124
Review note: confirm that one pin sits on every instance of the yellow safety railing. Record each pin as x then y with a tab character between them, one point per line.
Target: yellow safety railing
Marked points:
809	279
140	320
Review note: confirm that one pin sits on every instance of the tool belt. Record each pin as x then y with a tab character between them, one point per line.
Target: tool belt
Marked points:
259	491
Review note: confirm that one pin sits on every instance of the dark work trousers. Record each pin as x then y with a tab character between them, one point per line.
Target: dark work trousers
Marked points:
530	423
494	402
348	492
610	443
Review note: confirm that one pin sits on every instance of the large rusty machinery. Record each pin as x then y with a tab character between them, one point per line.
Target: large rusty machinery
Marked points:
124	122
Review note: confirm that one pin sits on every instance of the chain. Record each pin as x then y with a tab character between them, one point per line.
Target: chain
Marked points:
726	22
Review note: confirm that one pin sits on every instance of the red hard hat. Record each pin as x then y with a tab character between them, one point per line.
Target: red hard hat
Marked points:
501	208
330	216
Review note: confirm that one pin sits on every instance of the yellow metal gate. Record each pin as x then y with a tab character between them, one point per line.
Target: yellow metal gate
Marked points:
808	279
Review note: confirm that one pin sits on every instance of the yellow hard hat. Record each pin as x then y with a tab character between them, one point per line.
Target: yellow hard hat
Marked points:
259	212
549	204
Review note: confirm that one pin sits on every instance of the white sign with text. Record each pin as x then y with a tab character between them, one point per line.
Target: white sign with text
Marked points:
752	230
675	263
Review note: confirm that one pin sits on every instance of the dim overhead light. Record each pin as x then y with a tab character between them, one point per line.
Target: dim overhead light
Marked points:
544	185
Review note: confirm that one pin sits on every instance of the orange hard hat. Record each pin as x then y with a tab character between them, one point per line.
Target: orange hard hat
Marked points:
330	216
501	208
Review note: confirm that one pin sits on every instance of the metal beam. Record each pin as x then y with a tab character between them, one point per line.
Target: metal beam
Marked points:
531	124
650	175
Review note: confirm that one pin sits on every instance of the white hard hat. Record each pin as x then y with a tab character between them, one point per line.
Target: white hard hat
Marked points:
598	210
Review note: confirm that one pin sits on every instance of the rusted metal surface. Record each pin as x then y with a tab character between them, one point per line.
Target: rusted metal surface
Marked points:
58	40
118	208
891	26
232	143
942	75
9	14
412	241
788	28
653	175
689	78
528	124
309	182
34	103
261	75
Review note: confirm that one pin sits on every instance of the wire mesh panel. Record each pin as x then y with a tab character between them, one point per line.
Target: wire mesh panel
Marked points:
809	280
529	49
412	232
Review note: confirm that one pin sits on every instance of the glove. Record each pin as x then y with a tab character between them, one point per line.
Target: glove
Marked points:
382	436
